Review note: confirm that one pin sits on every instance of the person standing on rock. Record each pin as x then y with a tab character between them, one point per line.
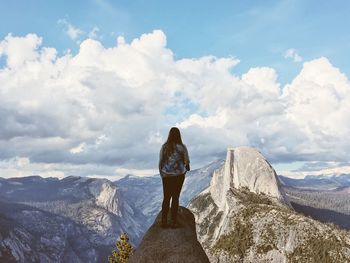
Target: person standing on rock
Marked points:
174	162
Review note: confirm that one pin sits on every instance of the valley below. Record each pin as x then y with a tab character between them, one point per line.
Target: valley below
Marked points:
78	219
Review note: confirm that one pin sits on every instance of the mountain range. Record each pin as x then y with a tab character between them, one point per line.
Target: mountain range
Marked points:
246	216
78	219
70	220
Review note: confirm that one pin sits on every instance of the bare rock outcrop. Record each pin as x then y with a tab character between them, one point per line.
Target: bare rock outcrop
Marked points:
171	245
245	167
245	216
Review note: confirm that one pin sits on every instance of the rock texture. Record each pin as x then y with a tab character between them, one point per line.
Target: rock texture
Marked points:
245	167
28	234
171	245
244	216
76	218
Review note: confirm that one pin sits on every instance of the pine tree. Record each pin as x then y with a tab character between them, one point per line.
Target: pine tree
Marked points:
123	250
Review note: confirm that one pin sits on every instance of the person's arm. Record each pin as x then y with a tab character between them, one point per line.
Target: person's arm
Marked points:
187	159
160	159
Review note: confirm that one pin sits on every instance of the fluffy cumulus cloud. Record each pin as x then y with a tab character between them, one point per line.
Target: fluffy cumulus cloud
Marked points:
106	111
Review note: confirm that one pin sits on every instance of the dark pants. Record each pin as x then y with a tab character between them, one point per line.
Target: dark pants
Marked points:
171	189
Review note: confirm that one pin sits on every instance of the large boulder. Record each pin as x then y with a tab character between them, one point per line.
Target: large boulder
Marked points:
171	245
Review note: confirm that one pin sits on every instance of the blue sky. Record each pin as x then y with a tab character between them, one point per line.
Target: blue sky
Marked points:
270	74
256	32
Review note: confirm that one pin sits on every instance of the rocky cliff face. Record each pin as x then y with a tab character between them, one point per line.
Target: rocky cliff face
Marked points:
77	218
106	196
171	245
245	167
28	234
244	216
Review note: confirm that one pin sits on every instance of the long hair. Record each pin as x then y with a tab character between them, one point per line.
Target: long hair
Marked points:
174	138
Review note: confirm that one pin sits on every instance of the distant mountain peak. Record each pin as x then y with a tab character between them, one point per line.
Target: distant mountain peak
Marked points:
245	167
105	194
245	216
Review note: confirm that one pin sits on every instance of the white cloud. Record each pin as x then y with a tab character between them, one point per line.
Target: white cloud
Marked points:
293	54
137	172
331	171
80	148
72	31
76	34
113	107
22	162
19	50
21	166
218	120
94	33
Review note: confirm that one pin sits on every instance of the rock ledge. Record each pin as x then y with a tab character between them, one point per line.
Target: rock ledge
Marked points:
171	245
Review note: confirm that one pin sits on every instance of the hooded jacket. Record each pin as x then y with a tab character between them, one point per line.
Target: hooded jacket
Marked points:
176	163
